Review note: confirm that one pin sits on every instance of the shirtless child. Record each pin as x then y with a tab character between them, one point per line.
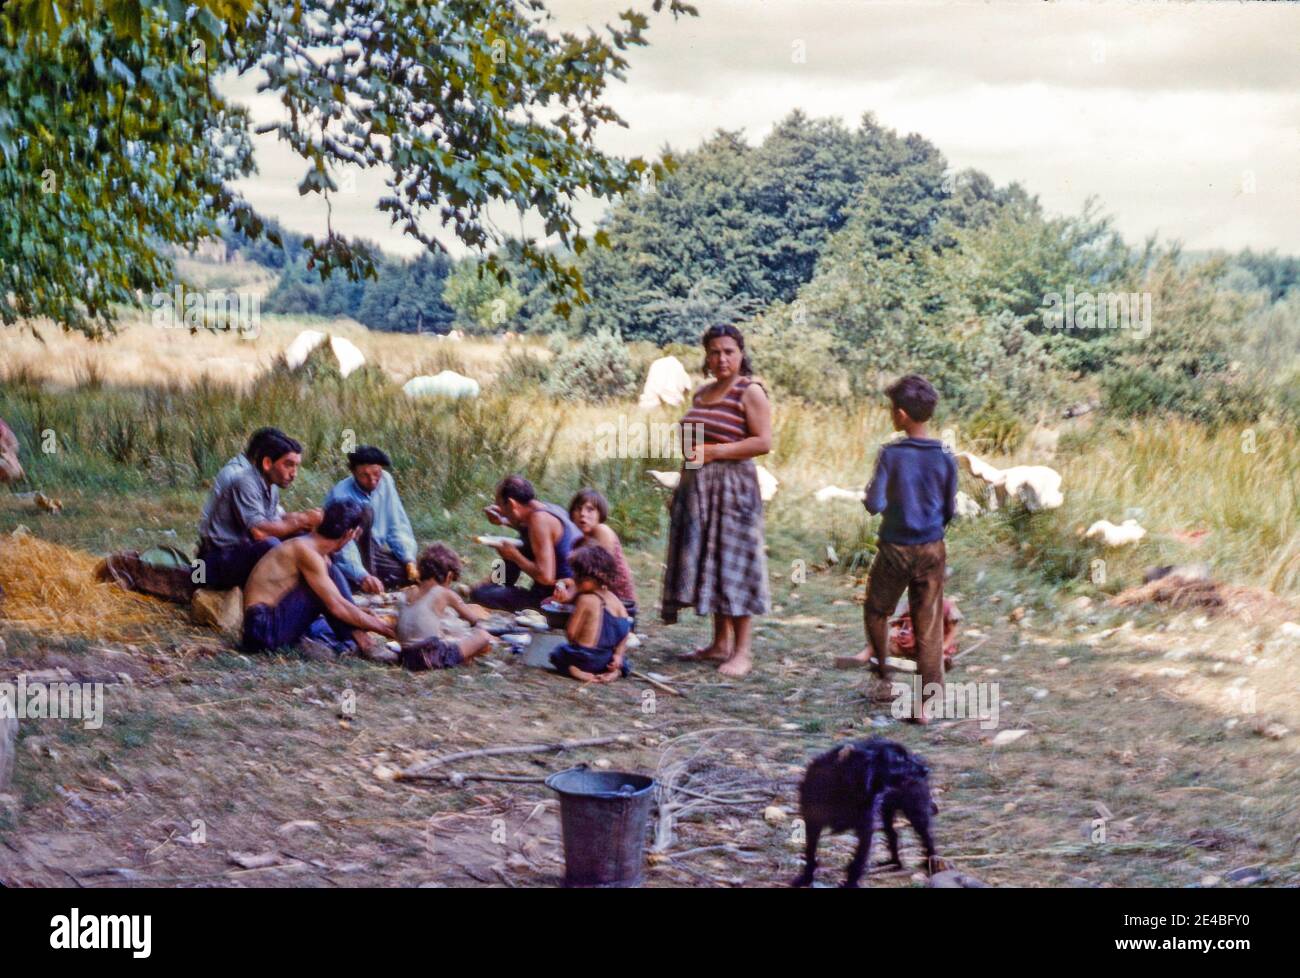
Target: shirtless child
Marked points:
436	628
296	583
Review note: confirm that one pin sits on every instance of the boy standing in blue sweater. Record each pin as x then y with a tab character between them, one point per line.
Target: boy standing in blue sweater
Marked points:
915	487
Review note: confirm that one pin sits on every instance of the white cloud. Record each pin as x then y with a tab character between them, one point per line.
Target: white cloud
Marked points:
1164	111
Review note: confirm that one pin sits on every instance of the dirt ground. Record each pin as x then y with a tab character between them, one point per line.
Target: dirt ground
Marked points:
1174	732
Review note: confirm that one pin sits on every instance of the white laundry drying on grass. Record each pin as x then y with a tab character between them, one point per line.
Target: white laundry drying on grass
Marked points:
1036	487
1115	536
448	383
346	354
666	383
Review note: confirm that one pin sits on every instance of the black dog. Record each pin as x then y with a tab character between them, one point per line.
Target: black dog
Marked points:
841	790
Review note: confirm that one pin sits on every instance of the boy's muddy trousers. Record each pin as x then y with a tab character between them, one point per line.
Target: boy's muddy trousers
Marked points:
918	570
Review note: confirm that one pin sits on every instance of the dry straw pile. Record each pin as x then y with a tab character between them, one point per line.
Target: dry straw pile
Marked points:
50	589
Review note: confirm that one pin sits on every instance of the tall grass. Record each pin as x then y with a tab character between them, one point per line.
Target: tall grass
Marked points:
1242	486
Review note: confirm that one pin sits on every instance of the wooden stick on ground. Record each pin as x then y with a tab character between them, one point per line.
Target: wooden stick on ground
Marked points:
417	770
972	648
636	674
456	776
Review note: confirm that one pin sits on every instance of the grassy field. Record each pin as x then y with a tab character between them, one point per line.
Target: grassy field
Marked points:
1165	723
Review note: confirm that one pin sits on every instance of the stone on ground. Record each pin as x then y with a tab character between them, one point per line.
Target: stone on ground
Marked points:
222	610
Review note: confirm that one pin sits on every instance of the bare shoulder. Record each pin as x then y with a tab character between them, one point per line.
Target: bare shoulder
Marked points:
755	391
545	523
605	536
586	601
307	558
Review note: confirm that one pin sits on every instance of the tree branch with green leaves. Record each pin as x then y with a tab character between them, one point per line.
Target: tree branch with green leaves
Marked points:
118	147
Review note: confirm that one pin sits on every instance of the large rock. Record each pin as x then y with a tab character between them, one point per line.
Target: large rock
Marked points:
222	610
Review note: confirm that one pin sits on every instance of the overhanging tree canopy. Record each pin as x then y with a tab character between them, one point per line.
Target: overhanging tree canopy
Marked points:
116	143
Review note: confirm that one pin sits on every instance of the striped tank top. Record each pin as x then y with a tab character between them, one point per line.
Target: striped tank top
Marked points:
720	423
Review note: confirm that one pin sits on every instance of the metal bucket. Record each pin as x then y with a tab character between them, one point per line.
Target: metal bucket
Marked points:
604	818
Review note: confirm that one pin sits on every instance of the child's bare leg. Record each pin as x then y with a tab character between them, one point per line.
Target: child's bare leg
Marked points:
474	644
581	675
742	659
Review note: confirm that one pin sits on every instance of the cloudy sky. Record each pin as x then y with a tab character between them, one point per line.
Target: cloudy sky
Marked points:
1183	118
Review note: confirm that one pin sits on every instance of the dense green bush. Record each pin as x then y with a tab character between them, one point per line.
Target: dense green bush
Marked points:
797	360
405	296
521	370
596	369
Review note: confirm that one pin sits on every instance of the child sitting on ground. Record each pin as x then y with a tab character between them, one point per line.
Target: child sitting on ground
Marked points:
599	626
589	511
435	627
902	638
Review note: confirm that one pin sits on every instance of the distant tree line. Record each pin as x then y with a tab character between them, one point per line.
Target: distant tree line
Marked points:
851	255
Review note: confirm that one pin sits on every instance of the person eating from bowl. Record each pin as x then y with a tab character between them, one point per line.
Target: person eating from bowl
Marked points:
547	536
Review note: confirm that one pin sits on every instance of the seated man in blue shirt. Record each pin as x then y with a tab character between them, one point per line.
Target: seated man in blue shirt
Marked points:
383	556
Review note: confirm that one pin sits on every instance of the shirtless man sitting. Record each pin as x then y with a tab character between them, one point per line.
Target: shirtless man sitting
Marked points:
296	583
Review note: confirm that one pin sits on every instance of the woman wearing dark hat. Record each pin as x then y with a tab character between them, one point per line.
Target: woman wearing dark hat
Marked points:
716	561
383	556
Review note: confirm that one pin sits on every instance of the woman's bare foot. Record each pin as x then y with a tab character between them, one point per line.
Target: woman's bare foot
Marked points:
738	665
709	653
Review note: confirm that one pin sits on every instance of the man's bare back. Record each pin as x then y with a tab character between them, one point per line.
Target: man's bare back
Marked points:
284	568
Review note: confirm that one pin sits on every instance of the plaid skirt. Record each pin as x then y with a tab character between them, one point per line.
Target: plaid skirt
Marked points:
716	562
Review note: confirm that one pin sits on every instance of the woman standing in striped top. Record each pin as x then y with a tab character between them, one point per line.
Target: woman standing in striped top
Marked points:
716	561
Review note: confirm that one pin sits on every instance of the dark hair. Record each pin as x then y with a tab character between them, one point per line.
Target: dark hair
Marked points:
594	564
368	455
915	395
516	487
340	516
585	496
719	330
257	440
275	446
437	561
